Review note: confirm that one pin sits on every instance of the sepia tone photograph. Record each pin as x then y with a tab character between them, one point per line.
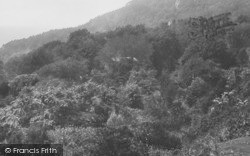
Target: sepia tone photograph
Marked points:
124	77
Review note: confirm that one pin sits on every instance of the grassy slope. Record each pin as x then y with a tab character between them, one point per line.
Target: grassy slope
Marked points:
238	147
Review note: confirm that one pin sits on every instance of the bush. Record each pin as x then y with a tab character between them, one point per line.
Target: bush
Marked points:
204	146
4	89
34	60
69	69
36	134
232	113
21	81
157	135
119	141
196	90
76	141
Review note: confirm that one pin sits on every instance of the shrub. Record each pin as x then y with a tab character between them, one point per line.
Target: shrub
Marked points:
69	69
76	141
4	89
157	135
21	81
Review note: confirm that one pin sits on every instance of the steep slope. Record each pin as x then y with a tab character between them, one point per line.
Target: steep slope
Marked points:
148	12
154	12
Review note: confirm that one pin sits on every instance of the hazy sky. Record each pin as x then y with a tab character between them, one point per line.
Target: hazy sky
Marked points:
22	18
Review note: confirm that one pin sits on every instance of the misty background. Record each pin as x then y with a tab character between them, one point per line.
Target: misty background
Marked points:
24	18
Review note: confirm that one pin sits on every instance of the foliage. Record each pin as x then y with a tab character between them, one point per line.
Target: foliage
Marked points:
132	46
119	141
133	91
205	146
82	43
234	112
21	81
2	72
167	49
157	135
196	90
23	46
28	63
4	89
77	141
197	67
69	69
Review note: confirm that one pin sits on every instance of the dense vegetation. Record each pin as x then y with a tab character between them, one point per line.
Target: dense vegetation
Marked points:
179	89
150	13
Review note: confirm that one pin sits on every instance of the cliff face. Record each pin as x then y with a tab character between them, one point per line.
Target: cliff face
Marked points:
148	12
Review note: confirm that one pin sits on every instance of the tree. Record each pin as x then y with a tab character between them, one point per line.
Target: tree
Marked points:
4	89
69	69
77	38
22	81
127	30
126	46
78	141
208	37
234	112
13	66
82	43
167	49
2	72
33	61
123	53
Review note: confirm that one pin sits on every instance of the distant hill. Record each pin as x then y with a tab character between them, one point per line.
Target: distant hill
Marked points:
148	12
154	12
22	46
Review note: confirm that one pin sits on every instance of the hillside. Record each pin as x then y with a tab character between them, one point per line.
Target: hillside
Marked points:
148	12
154	12
22	46
172	90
